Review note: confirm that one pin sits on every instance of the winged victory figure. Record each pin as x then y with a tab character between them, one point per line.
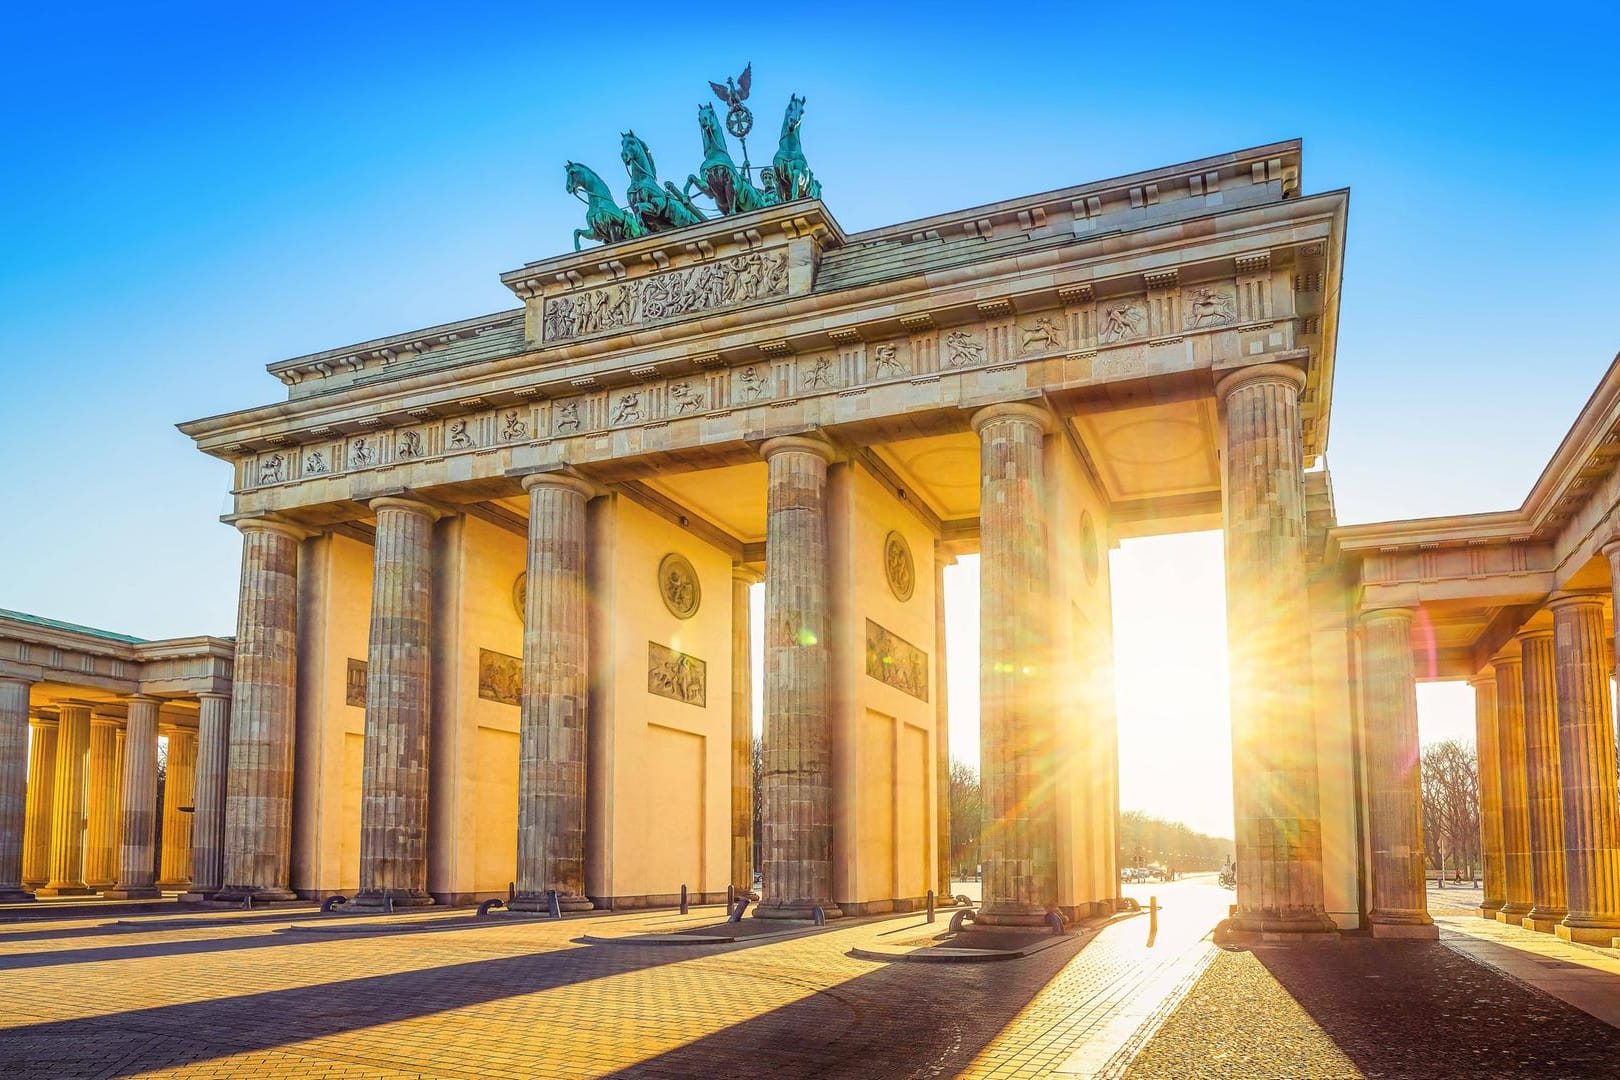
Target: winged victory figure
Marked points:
735	93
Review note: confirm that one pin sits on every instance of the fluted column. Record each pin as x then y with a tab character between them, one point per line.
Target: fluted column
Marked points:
797	823
137	849
1587	764
208	821
67	804
742	729
179	789
394	781
1545	798
101	826
942	731
555	697
1276	796
258	801
1019	837
1510	742
1490	792
36	867
1394	789
13	786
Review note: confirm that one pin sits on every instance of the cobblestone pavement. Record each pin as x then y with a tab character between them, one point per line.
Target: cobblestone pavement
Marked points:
443	994
1377	1009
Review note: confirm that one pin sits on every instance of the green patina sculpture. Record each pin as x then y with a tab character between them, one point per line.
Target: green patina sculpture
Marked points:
604	220
655	207
718	177
659	209
790	172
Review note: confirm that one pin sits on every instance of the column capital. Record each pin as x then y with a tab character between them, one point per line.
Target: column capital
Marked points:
1486	676
1534	634
271	524
103	718
17	679
747	575
41	718
1573	597
1286	374
802	444
409	505
567	481
1014	410
1382	614
220	695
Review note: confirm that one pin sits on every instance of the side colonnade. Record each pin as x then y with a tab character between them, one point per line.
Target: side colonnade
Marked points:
1549	804
79	803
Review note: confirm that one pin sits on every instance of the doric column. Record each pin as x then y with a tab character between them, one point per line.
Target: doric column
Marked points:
554	702
1515	789
36	867
942	731
67	804
797	847
101	825
1490	792
742	729
394	781
136	853
1277	802
13	786
1541	769
1394	790
179	789
1586	754
208	821
1019	838
258	801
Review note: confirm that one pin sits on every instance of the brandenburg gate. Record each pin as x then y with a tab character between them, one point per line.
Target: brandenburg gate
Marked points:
494	622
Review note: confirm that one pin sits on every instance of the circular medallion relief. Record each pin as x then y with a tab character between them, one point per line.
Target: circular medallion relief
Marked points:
1089	556
520	594
898	567
678	585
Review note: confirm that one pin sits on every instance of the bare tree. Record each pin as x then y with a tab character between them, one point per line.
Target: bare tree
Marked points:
759	803
967	808
1450	773
1144	839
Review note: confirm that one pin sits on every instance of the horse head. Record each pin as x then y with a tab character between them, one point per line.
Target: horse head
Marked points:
636	155
583	177
794	114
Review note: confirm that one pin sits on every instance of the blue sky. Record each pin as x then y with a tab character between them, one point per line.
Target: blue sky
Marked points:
191	193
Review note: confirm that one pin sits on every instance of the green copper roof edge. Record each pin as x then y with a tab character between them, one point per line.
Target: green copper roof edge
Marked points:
75	628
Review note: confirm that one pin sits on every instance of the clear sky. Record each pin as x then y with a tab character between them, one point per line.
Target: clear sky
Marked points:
193	191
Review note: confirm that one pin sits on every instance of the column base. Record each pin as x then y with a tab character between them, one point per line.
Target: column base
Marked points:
135	892
795	909
1489	907
64	890
1278	925
1512	914
174	886
378	898
267	894
1601	936
540	902
1542	920
1004	914
15	896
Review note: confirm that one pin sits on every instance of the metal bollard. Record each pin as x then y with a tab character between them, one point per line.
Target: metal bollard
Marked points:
489	905
553	903
511	892
247	903
963	915
737	912
930	905
731	898
388	903
1153	914
683	899
819	914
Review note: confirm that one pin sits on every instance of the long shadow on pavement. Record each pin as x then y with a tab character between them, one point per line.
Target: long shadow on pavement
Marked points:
1420	1008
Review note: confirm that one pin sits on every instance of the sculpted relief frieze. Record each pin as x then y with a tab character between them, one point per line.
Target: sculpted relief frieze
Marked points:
669	295
1109	335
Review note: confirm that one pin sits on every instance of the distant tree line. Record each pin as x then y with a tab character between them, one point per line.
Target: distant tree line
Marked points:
1451	837
1145	839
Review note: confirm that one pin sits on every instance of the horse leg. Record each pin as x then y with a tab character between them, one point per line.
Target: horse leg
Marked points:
579	233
